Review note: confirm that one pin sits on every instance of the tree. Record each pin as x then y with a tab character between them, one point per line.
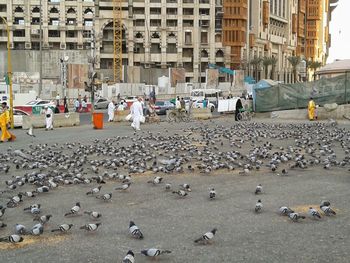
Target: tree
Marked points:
314	66
273	66
255	62
294	61
266	61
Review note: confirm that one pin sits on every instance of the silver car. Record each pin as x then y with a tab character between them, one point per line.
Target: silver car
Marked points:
101	103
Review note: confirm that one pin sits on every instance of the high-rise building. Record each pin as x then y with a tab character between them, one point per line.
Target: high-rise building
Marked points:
276	29
156	34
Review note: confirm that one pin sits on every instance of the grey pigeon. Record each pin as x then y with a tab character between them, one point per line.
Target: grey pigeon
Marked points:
154	252
135	231
207	237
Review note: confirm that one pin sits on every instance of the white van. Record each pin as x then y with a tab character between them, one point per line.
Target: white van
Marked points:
213	95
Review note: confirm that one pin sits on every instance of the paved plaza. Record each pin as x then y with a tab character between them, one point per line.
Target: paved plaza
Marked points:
171	222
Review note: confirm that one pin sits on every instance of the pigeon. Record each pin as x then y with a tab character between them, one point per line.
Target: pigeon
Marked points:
129	258
328	211
12	239
313	213
258	206
2	224
168	187
93	214
74	210
295	217
212	194
284	210
63	228
185	187
156	180
34	209
90	227
29	194
135	231
42	219
207	237
325	203
94	190
258	189
37	230
105	197
123	187
43	189
154	252
20	229
181	193
2	211
30	132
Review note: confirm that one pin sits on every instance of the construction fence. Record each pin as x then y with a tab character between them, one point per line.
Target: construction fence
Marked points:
295	96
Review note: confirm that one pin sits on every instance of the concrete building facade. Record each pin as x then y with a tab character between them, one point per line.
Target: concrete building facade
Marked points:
157	34
276	29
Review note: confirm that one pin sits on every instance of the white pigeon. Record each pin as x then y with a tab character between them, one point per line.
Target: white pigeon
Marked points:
313	213
154	252
258	189
207	237
295	217
129	258
212	194
328	211
258	206
284	210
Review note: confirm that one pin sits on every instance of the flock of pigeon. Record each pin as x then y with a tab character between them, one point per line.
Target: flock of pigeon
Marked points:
205	150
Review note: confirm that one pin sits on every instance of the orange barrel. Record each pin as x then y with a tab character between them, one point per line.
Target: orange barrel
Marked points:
98	120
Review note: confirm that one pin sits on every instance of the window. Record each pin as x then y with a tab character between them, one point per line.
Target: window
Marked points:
188	38
88	22
88	11
71	11
18	9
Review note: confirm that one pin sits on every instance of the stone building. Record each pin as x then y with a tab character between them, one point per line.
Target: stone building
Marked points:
157	34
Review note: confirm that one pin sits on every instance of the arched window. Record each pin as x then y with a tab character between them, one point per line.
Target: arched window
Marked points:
54	10
19	9
219	54
172	34
71	11
155	35
88	11
204	54
139	35
36	10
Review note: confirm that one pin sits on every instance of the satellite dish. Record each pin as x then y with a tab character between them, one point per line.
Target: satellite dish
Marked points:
66	58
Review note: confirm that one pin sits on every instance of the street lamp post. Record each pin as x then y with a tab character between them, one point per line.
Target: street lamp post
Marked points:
9	70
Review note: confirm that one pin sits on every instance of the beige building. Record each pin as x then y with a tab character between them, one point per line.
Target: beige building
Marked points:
276	29
157	34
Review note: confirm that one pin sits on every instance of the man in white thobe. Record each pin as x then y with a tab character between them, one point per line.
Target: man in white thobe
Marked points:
48	118
111	108
136	112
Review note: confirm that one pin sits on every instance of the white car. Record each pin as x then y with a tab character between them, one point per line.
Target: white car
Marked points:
40	103
199	104
18	117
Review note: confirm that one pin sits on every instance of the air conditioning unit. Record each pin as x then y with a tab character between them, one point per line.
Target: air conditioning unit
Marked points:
80	46
35	32
27	45
46	45
62	46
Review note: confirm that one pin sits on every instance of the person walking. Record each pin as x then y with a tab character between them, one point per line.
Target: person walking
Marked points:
311	109
48	118
182	103
65	104
76	105
137	113
58	99
4	120
121	106
111	109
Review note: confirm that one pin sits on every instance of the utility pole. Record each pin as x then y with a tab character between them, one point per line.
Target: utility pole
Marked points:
247	36
40	52
92	73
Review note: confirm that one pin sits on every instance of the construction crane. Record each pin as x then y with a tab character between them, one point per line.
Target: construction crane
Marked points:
117	40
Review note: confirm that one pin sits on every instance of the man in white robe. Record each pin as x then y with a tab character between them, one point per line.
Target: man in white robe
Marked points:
136	112
111	108
48	118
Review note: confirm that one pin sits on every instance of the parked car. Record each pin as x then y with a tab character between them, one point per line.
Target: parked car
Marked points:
35	106
101	103
199	104
161	106
18	117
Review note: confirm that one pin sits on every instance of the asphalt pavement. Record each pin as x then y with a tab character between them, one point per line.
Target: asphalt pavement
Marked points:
170	222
